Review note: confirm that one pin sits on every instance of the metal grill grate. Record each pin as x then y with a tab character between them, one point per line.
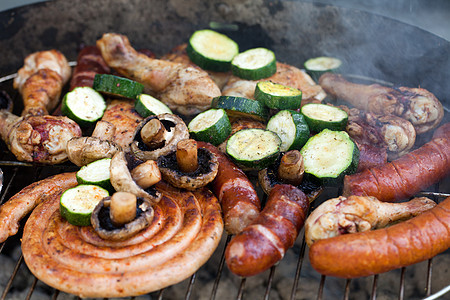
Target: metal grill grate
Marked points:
292	278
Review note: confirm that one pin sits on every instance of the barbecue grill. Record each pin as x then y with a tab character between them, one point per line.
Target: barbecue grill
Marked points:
373	49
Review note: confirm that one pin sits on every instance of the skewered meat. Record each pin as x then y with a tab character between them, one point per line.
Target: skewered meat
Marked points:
185	89
407	175
395	134
125	118
22	203
373	252
286	75
185	231
41	139
41	80
416	105
356	214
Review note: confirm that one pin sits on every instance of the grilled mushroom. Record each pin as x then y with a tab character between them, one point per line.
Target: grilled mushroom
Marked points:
158	135
188	167
84	150
122	179
121	216
288	169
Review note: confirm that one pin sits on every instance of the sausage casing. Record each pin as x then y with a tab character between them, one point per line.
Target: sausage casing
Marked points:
237	195
373	252
264	242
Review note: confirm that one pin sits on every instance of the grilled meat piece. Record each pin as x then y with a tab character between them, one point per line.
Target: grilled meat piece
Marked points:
41	80
183	88
356	214
416	105
40	139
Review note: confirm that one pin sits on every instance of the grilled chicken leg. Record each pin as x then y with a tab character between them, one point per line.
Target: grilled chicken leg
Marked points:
416	105
183	88
41	80
40	139
356	214
393	133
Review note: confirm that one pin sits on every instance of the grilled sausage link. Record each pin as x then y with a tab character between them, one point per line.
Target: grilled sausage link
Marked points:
263	243
237	196
373	252
407	175
89	63
28	198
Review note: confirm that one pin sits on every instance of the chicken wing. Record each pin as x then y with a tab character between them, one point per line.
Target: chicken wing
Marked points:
183	88
41	80
416	105
286	75
356	214
40	139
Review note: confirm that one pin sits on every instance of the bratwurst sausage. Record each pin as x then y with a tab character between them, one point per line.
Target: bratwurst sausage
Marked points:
407	175
237	195
373	252
264	242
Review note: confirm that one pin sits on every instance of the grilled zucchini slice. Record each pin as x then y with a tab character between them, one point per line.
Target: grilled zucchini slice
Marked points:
254	148
329	155
322	116
147	105
238	107
211	50
84	105
116	86
316	66
291	127
96	173
212	126
254	64
278	96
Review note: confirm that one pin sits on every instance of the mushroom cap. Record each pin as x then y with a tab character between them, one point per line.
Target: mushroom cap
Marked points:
102	224
177	131
84	150
122	181
208	167
268	178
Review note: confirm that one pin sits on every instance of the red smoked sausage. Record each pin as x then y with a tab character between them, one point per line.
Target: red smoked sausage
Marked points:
373	252
236	194
407	175
263	243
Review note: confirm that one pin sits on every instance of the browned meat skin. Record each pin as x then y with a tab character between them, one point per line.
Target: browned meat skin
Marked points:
370	156
357	214
265	241
179	55
40	81
405	176
183	88
124	117
22	203
416	105
286	75
41	139
373	252
393	133
89	63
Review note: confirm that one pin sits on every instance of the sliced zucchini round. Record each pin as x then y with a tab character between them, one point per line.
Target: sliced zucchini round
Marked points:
254	64
84	105
316	66
76	204
212	126
116	86
211	50
147	105
329	155
254	148
96	173
278	96
237	107
322	116
291	127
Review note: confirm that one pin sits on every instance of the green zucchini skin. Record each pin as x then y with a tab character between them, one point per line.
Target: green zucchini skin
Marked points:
326	141
117	86
278	96
214	133
241	107
302	132
336	118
